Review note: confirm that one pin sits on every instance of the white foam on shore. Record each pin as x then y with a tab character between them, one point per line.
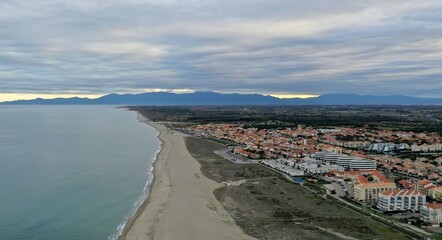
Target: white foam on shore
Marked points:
146	190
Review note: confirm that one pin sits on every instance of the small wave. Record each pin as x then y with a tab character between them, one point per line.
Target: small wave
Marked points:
142	198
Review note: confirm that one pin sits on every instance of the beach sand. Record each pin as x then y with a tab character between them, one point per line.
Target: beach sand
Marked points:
181	204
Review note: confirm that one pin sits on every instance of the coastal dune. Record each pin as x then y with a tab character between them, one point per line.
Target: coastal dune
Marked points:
181	204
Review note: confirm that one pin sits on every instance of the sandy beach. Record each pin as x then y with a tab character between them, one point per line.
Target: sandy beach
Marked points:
181	204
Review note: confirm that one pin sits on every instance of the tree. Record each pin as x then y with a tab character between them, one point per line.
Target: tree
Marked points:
438	196
398	179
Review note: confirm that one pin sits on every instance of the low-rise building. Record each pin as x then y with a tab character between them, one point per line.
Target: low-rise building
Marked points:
432	213
401	200
382	147
426	147
368	192
406	184
284	165
424	186
368	185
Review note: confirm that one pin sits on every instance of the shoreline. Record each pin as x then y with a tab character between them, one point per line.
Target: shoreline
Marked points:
130	221
180	203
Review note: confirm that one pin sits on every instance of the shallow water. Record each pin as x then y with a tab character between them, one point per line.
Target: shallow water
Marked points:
70	172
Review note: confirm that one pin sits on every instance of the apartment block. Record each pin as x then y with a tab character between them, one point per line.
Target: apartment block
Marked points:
368	192
401	200
432	213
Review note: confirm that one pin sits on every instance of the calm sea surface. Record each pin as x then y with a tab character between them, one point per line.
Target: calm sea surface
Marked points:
71	172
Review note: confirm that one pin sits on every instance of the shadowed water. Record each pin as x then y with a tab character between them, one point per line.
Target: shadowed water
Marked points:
70	172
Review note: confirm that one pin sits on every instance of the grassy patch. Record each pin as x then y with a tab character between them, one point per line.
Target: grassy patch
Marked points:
274	208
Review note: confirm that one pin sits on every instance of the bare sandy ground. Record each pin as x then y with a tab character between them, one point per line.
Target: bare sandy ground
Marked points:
181	204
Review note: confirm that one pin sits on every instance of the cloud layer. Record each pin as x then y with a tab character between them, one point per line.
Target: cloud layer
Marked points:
281	46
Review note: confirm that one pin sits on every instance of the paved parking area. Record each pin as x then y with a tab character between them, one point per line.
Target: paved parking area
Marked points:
338	188
227	154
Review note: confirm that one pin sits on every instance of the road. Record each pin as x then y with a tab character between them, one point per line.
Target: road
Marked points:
227	154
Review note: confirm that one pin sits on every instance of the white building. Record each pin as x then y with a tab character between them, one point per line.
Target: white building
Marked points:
362	164
426	147
356	163
319	169
344	161
284	165
332	158
432	213
382	147
320	155
401	200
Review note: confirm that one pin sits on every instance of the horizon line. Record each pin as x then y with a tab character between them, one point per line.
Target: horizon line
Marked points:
12	97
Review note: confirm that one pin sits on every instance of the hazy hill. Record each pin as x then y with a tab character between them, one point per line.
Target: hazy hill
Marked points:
210	98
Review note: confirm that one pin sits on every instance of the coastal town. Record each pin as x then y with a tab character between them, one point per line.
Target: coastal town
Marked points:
396	173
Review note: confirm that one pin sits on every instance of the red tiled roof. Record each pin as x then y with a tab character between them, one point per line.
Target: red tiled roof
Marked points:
433	205
379	175
402	193
423	182
362	179
379	184
406	183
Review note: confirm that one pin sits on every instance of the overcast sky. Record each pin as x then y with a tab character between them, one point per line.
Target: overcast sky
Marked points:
247	46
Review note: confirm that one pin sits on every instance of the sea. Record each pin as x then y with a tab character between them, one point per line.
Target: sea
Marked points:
72	172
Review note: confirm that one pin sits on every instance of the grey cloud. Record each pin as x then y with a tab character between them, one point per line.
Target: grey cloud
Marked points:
385	47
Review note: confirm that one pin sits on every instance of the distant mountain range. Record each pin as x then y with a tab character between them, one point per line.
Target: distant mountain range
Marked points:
210	98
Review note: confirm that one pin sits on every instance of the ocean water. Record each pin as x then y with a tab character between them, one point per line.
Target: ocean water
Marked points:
71	172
